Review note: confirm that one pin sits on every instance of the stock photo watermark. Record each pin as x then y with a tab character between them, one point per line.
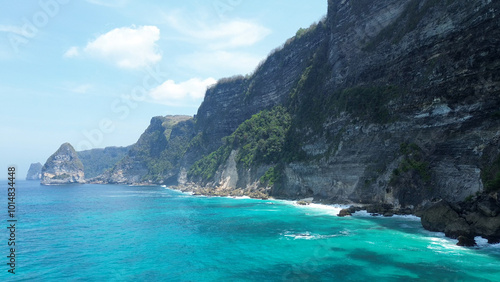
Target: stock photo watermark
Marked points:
31	26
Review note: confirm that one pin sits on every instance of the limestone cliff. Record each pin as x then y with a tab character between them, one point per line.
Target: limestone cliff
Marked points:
34	172
392	101
63	167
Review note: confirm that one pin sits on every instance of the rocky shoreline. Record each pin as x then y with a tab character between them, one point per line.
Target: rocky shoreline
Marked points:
478	216
252	192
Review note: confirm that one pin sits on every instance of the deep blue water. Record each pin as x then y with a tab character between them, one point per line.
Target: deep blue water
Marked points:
124	233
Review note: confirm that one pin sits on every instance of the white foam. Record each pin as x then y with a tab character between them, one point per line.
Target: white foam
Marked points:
483	243
190	193
305	236
443	244
238	197
408	217
320	208
364	213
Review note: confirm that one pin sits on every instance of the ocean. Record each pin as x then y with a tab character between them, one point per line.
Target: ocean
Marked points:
130	233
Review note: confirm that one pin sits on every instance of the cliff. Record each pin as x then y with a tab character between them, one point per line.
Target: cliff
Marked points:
63	167
97	161
155	158
34	172
406	108
391	102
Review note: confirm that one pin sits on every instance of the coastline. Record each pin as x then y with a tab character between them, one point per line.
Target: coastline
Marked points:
341	209
386	210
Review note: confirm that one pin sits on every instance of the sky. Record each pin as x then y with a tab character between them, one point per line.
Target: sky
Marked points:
94	72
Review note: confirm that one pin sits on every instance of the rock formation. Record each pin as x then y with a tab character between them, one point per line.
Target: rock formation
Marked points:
63	167
34	172
474	217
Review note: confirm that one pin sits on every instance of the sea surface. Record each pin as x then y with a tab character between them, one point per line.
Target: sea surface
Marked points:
127	233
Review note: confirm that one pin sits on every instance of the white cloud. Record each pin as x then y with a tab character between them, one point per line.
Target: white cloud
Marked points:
127	47
72	52
171	93
226	63
228	34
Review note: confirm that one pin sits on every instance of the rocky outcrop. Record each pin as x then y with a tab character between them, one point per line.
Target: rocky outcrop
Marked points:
441	217
475	217
63	167
344	213
34	172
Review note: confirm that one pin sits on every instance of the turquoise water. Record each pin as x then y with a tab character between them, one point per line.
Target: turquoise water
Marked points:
123	233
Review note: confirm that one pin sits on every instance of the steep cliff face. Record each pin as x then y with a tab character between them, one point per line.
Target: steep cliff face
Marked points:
34	172
232	101
155	158
63	167
391	101
433	68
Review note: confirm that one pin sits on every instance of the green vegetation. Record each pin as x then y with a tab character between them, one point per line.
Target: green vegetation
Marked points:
413	163
368	103
161	160
171	122
96	161
314	104
272	176
206	168
303	31
491	176
259	140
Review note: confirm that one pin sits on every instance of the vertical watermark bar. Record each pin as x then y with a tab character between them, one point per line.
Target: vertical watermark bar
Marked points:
11	220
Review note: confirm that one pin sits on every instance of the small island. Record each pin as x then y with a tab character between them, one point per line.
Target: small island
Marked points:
63	167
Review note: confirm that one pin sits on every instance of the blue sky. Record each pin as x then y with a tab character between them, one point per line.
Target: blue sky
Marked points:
94	72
